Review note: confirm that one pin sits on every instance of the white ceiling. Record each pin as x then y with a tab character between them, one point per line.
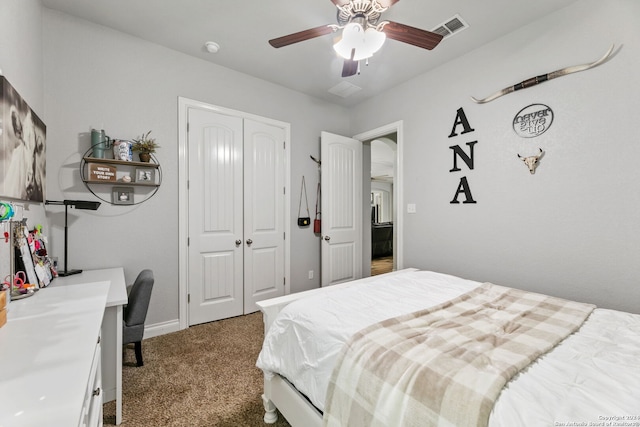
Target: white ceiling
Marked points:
242	29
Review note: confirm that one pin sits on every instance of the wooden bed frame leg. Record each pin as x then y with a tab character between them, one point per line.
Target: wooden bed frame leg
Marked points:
270	414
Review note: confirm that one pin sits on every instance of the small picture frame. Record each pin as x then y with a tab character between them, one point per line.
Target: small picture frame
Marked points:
145	176
122	196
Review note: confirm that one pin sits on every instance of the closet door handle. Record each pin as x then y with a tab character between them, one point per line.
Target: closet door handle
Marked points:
249	242
238	242
327	238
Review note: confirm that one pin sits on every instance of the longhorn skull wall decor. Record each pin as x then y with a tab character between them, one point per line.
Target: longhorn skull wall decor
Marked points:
532	161
543	78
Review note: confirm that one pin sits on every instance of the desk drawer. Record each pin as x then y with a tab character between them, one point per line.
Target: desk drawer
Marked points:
91	415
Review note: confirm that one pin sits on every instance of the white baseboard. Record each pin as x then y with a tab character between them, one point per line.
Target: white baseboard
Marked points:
162	328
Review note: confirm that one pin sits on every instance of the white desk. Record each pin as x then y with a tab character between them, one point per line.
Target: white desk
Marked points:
47	351
48	344
111	328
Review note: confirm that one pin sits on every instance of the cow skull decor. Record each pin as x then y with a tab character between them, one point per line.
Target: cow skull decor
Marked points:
532	161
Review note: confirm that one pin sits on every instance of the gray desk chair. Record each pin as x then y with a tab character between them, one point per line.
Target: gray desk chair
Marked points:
135	312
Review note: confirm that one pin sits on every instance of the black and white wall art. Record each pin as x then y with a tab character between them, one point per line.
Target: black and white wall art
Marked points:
22	147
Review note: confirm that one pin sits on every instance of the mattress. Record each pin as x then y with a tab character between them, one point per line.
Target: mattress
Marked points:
593	376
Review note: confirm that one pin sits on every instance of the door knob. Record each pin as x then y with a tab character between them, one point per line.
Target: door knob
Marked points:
327	238
249	242
238	242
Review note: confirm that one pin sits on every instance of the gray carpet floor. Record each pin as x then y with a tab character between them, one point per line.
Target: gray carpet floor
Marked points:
202	376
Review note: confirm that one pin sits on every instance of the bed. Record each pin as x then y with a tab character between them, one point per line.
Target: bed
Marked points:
589	377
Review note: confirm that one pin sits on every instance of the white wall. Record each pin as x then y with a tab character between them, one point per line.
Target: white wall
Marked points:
96	76
573	228
21	64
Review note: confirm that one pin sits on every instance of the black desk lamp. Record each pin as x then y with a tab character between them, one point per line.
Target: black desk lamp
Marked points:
78	204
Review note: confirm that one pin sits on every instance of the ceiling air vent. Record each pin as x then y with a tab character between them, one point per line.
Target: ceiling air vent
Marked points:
344	89
453	25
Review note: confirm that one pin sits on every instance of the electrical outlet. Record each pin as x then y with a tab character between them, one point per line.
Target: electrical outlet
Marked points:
310	274
411	208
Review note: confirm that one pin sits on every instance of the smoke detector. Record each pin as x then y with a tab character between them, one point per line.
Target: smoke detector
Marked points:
212	47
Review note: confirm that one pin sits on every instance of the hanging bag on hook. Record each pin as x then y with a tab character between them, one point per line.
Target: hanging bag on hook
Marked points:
303	221
317	226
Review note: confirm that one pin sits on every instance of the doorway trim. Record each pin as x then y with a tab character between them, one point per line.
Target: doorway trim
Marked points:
398	183
183	201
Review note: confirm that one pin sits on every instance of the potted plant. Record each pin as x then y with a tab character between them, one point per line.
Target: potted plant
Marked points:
145	146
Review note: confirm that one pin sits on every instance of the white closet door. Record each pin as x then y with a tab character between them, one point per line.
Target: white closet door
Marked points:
341	203
263	213
215	145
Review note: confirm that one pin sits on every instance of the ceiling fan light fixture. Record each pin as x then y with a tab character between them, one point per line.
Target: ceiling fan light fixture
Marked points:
358	42
374	39
363	34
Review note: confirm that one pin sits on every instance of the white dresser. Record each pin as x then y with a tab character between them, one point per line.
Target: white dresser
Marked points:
51	352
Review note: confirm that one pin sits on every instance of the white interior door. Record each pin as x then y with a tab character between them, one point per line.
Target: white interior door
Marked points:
215	251
263	213
341	201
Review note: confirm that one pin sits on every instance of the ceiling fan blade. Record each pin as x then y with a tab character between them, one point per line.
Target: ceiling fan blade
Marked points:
301	36
350	68
415	36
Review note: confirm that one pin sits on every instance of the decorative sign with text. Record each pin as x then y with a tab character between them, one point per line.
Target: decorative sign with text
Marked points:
458	152
533	120
101	173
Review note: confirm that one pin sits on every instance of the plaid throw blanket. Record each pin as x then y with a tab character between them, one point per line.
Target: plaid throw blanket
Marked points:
446	365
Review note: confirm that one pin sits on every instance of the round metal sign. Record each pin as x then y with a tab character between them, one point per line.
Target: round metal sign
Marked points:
533	120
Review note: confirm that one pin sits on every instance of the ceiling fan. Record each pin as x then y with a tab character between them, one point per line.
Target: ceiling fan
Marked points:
362	33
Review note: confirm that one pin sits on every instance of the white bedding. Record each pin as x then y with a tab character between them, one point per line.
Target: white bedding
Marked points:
592	375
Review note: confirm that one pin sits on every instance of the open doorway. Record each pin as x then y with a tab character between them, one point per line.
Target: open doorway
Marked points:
383	172
393	132
341	266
